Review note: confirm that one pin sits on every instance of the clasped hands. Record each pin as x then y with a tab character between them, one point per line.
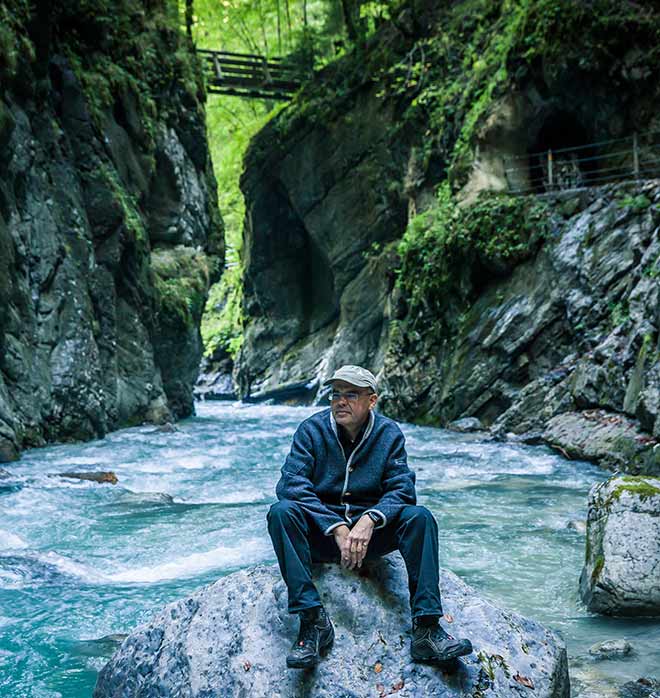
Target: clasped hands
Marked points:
354	542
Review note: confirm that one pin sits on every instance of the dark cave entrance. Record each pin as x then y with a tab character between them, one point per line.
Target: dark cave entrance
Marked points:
572	163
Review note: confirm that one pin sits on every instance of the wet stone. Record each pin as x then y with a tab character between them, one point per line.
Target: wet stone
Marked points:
243	617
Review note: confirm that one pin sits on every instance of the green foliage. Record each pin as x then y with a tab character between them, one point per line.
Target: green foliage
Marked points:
15	45
479	50
180	278
619	313
637	203
442	85
449	250
222	322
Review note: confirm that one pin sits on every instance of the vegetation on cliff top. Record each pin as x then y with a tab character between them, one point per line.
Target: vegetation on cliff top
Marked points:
443	65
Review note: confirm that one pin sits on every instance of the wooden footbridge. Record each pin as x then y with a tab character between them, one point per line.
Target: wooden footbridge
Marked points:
249	75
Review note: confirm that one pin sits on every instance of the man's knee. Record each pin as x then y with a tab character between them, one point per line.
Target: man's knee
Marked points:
418	516
283	512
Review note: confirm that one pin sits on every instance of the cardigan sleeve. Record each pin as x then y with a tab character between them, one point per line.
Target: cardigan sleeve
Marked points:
398	483
295	483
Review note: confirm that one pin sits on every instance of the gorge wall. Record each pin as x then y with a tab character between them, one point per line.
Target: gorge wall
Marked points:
373	235
109	228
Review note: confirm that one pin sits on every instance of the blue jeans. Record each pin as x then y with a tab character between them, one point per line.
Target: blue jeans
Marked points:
298	543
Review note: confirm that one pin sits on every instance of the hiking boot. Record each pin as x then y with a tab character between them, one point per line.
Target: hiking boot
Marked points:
430	643
316	635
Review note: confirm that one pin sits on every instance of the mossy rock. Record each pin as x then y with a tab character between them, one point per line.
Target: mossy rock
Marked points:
181	281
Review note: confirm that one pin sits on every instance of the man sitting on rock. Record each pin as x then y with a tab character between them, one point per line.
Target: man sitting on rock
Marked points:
346	494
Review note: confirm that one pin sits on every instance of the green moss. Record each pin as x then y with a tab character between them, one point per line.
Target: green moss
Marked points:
181	279
128	204
449	251
598	568
142	53
634	485
16	49
637	203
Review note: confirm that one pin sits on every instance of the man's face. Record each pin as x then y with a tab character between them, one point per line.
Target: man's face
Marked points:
352	407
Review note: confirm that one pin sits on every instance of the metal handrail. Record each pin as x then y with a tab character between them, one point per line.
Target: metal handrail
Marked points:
549	179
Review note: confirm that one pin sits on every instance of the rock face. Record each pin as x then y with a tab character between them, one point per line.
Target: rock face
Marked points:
565	347
231	639
620	575
316	207
568	332
215	377
109	229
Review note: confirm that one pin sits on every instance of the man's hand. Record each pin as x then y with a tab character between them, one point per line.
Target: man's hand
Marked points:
341	538
353	543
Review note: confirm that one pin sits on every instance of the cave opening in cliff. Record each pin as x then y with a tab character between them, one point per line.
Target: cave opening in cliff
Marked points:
572	164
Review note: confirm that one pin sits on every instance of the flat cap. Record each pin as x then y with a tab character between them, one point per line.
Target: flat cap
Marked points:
355	375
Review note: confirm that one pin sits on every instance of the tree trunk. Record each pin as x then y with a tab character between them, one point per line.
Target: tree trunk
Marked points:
189	18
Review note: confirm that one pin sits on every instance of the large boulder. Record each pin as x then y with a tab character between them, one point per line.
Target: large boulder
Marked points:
620	575
231	638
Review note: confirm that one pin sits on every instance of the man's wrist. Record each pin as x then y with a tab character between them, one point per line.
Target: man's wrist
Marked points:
369	518
341	530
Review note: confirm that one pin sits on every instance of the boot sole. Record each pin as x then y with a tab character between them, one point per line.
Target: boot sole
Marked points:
447	657
312	661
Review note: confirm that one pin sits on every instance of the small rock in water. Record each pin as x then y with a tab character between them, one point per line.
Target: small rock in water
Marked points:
102	646
579	526
646	687
166	428
465	425
100	476
146	498
5	474
611	649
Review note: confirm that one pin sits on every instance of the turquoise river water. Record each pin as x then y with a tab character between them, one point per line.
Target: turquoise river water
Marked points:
81	561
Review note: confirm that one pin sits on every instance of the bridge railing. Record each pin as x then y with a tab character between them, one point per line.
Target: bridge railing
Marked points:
249	75
591	164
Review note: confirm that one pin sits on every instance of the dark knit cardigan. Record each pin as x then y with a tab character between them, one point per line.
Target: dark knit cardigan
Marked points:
336	491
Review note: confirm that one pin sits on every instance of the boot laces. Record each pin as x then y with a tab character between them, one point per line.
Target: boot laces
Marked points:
308	630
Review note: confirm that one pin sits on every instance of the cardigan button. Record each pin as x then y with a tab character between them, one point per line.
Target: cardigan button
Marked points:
351	469
347	494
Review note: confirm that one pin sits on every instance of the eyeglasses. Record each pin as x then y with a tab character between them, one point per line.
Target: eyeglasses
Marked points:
350	395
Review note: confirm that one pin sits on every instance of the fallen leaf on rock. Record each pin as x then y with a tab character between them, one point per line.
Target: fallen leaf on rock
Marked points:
523	681
378	667
247	665
398	685
449	618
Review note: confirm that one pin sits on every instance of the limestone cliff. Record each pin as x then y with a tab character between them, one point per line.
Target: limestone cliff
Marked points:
357	250
109	228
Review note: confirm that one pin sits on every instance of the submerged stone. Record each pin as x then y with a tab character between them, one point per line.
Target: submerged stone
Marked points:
467	424
645	687
611	649
101	476
231	639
